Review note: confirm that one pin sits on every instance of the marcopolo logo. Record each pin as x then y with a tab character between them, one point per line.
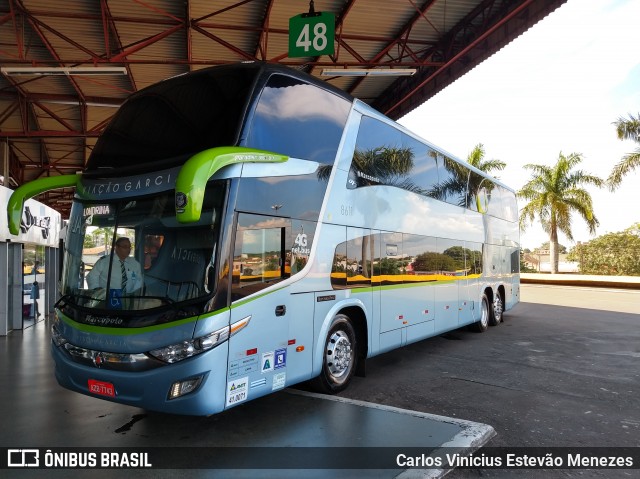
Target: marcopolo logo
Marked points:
181	201
23	458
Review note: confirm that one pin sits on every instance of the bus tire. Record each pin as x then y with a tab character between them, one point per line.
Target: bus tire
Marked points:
497	310
338	358
482	324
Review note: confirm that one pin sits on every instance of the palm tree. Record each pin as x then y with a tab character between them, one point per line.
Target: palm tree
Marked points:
553	194
476	158
627	130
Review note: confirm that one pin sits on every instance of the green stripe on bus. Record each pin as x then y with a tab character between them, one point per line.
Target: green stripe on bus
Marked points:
86	328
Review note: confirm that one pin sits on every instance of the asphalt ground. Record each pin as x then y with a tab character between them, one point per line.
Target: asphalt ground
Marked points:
563	370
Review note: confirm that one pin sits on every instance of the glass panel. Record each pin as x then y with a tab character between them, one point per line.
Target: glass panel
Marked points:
392	264
450	257
358	262
352	262
424	175
424	257
260	253
474	258
152	245
299	245
510	205
180	116
452	181
160	262
476	199
379	157
339	267
297	119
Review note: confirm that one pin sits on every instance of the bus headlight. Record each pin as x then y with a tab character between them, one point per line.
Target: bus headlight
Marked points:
186	349
57	338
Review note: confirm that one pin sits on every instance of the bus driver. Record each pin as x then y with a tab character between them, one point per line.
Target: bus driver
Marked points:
125	270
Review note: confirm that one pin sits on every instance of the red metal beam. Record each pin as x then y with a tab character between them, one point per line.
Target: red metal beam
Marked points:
120	57
219	40
49	134
263	40
460	54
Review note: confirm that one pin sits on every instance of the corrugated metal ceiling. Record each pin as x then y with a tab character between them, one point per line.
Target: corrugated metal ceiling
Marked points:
51	123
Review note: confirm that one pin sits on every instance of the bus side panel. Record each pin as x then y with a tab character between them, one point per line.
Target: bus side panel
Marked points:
300	310
446	306
259	353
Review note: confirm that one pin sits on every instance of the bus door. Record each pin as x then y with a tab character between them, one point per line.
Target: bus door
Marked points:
258	347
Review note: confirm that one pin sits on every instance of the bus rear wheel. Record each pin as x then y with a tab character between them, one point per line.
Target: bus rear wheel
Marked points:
482	324
338	358
497	310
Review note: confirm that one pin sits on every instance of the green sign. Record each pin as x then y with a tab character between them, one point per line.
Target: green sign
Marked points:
311	35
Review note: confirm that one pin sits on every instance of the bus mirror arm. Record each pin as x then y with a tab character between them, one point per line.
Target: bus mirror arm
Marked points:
31	189
197	170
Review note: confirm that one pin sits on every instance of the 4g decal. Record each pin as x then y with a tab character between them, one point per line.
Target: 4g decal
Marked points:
301	245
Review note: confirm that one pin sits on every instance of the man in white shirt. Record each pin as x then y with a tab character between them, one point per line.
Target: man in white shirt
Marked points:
125	270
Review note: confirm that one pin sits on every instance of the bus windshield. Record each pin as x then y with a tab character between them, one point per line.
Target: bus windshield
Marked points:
132	254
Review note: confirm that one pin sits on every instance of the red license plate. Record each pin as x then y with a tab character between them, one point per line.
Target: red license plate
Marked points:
102	388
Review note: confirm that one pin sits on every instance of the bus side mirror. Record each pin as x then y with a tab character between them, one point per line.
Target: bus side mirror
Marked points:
197	170
31	189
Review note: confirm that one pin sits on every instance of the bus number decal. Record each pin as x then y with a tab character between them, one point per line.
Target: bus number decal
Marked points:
346	210
237	391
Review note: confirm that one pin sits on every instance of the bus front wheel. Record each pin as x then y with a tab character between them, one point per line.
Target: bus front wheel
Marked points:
339	356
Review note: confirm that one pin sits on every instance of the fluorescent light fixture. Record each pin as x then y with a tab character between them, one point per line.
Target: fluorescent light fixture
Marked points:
360	72
49	71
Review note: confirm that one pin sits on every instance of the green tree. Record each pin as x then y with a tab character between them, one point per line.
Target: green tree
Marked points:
610	254
553	194
627	129
546	246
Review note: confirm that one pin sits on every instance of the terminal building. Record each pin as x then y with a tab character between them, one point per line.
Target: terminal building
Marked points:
28	258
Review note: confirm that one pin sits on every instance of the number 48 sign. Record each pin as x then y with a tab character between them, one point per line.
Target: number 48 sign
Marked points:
311	35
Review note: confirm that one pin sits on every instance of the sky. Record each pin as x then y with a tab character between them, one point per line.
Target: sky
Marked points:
557	88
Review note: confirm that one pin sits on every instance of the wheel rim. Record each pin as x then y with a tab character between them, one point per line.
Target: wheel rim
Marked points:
339	355
484	314
497	308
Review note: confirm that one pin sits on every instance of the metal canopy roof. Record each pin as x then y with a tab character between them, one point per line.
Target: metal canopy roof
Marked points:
50	123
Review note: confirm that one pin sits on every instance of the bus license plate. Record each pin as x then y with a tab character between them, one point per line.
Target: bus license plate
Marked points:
102	388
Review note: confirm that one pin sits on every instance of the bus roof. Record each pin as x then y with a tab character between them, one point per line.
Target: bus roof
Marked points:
166	123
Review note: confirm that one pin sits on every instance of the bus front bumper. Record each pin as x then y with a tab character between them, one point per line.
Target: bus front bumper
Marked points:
151	389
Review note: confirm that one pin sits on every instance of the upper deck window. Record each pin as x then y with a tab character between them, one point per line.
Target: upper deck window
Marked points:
298	119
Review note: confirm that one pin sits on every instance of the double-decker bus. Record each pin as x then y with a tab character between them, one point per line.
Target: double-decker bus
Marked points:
282	231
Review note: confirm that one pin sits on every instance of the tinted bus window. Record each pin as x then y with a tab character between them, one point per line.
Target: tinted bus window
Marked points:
297	119
452	181
510	205
385	156
424	174
378	148
476	197
182	116
495	201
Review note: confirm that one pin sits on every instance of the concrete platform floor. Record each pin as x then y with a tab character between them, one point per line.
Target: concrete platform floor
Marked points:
37	413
